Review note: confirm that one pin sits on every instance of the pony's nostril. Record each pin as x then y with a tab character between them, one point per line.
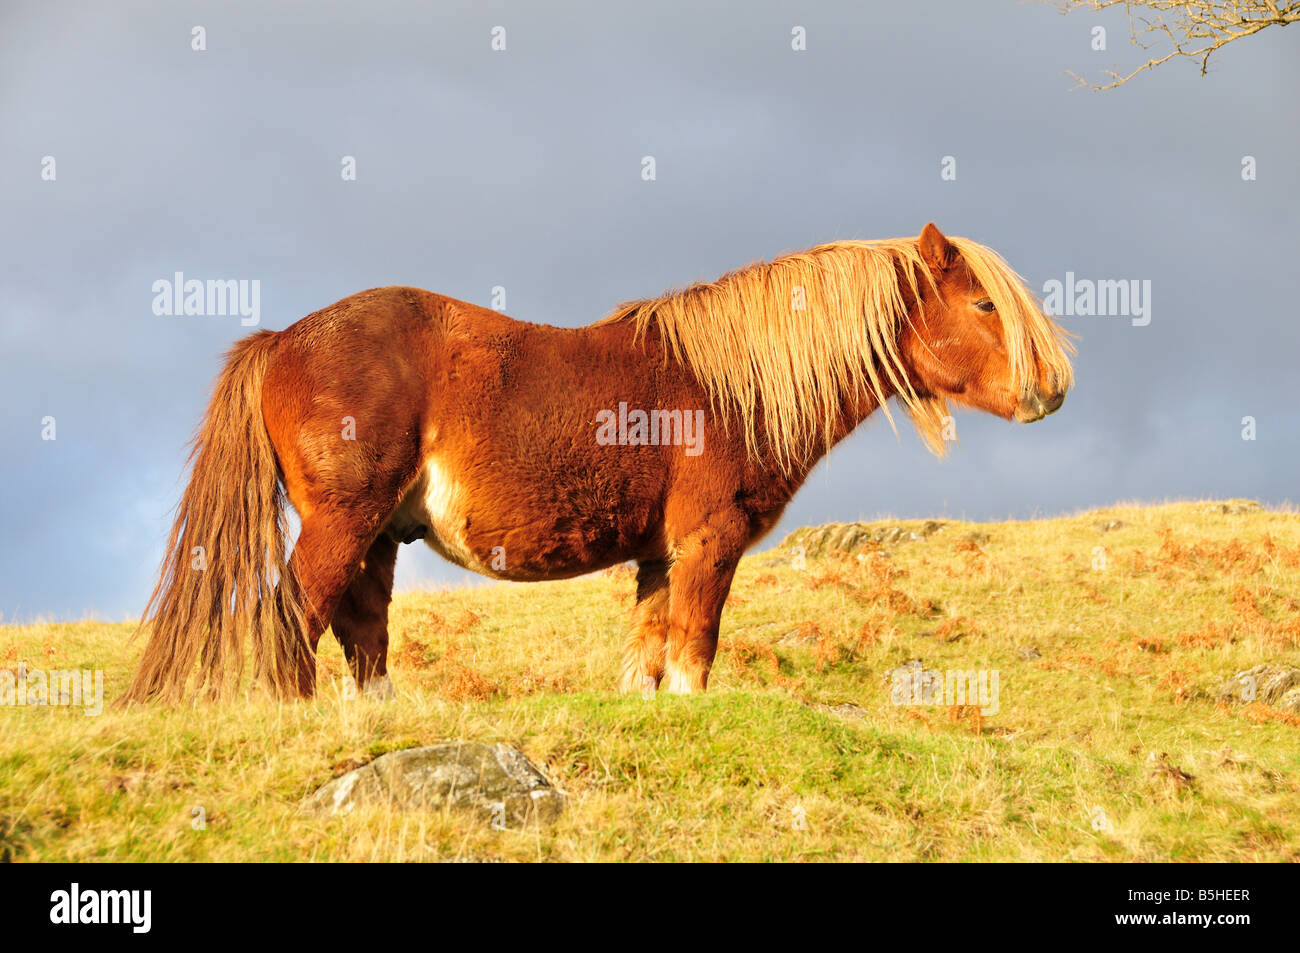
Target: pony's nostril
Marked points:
1052	404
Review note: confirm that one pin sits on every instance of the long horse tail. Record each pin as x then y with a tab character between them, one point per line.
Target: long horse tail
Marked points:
224	591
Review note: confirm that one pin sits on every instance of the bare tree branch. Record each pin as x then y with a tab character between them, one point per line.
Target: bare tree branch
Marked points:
1195	28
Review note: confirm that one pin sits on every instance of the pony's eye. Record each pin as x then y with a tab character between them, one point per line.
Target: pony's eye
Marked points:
984	304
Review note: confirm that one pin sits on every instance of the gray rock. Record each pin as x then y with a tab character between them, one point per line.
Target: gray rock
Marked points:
853	537
1276	685
1027	653
799	636
495	782
1108	526
846	710
1234	507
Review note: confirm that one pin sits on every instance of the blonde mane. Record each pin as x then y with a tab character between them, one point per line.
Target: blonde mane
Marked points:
750	344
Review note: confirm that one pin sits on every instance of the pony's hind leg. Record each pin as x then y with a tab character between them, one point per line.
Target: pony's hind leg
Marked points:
329	552
361	619
342	406
704	563
643	655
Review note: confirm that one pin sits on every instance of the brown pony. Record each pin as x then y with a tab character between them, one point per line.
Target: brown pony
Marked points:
673	433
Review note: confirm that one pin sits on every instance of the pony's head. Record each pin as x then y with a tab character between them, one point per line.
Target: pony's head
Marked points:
788	345
978	337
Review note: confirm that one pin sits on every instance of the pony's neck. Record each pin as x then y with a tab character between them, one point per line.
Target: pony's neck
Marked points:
855	407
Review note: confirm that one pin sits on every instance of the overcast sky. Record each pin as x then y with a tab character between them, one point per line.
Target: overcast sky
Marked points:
522	168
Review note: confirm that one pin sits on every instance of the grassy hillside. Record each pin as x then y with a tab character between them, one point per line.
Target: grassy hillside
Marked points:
1110	633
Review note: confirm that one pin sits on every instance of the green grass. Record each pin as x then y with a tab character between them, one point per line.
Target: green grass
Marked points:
1108	744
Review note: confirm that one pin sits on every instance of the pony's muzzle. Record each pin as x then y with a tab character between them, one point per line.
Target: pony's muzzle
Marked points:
1035	406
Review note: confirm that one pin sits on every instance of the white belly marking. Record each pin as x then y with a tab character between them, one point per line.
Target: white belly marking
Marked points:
437	501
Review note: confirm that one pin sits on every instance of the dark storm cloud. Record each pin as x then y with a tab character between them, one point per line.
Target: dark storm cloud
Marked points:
522	168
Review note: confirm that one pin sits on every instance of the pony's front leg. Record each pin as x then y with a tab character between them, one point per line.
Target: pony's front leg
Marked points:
643	655
704	563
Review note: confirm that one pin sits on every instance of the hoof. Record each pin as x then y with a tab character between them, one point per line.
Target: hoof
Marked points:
379	689
678	682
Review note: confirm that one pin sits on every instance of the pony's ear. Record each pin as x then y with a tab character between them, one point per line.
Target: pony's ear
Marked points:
936	251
